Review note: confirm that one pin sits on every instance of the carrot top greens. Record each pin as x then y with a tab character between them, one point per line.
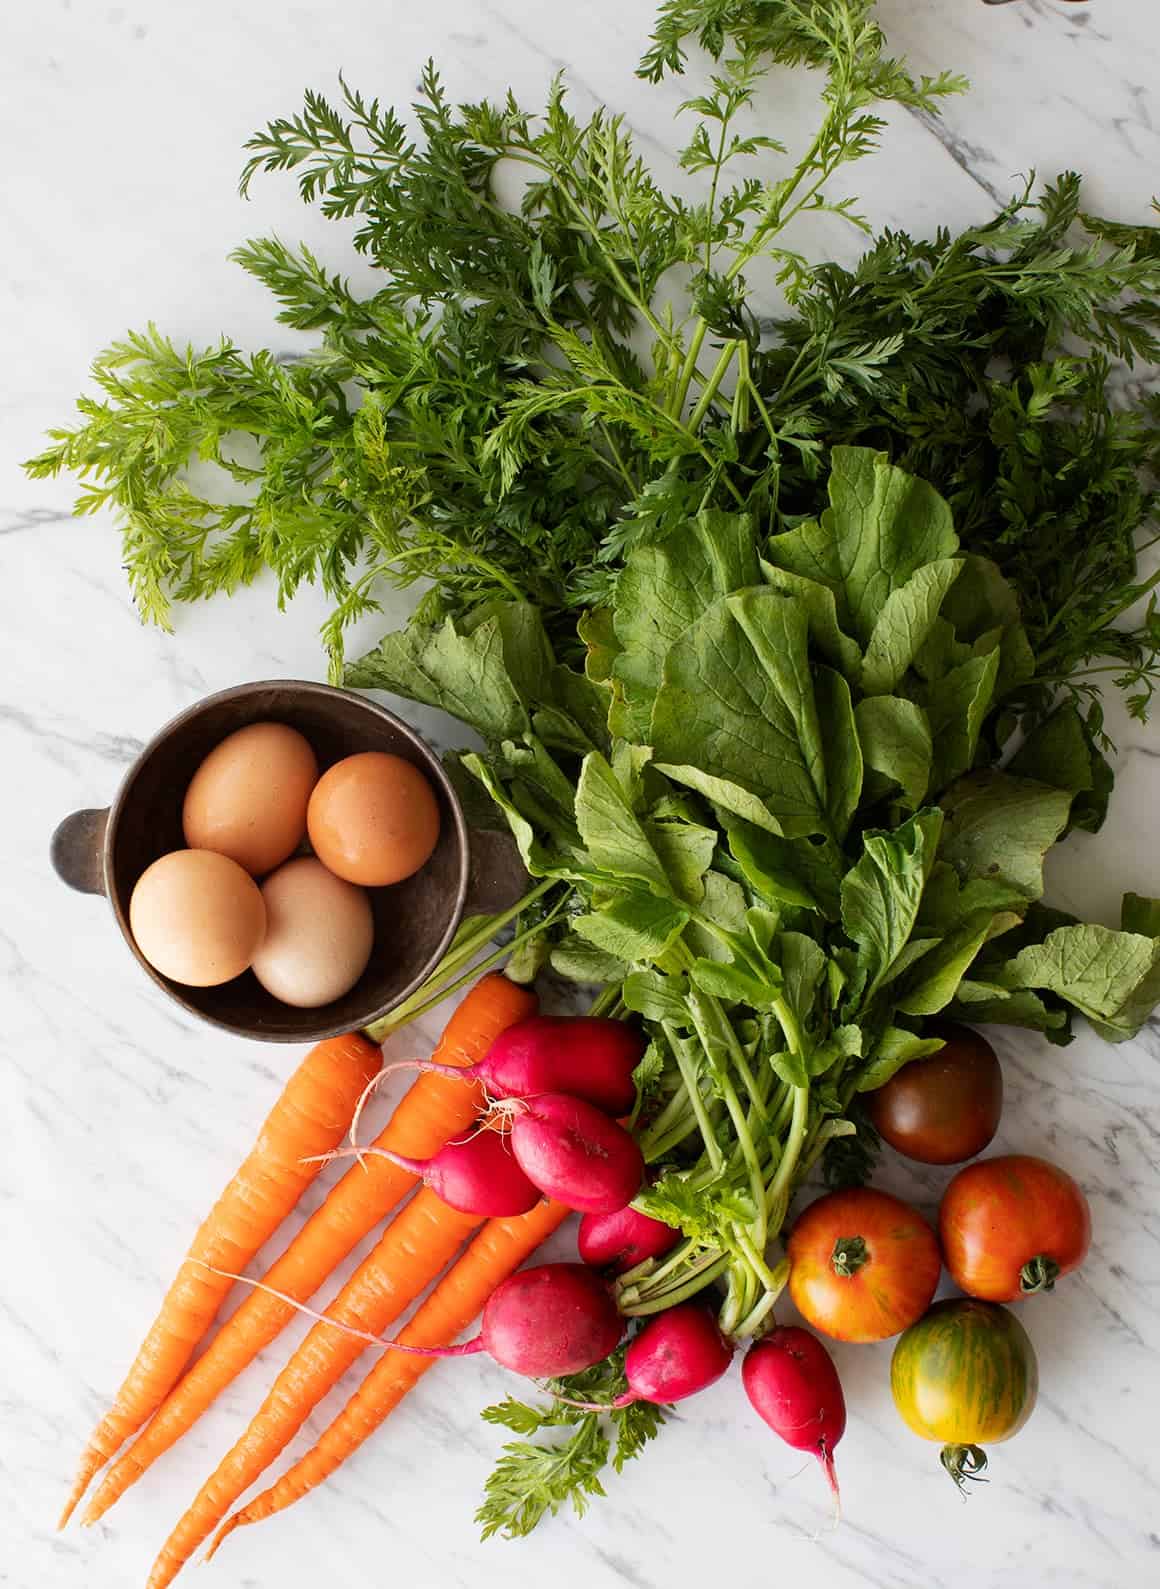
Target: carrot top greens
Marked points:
483	420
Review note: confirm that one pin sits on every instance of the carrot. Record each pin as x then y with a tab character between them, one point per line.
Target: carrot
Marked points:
310	1117
422	1238
497	1252
431	1113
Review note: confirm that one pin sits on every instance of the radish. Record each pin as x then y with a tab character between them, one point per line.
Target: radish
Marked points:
584	1055
557	1319
574	1153
619	1241
792	1384
543	1323
477	1176
675	1355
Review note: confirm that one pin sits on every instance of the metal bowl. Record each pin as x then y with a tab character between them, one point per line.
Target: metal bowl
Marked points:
105	852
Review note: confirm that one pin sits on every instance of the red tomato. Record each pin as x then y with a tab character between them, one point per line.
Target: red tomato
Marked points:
863	1266
1012	1226
944	1109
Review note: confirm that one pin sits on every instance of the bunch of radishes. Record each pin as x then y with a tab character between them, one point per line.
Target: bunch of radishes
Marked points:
558	1087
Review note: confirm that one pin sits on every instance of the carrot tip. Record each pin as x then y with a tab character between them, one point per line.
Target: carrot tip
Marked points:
80	1485
223	1532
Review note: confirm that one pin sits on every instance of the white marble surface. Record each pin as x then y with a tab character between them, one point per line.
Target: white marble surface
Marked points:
121	127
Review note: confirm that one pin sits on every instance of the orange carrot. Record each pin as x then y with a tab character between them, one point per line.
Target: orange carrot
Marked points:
436	1109
421	1239
499	1249
310	1117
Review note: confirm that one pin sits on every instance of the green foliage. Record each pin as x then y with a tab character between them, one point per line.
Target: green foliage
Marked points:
481	420
765	902
535	1478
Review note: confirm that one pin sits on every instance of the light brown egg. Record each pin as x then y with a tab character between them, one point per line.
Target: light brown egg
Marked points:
319	932
248	798
373	819
197	917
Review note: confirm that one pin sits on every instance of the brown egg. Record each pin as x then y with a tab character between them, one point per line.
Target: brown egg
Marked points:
197	917
373	819
248	798
319	932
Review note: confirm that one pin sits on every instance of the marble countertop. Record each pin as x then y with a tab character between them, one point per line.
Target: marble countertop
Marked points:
122	125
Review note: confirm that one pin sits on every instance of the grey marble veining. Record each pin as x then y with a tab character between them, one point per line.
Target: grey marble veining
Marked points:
122	126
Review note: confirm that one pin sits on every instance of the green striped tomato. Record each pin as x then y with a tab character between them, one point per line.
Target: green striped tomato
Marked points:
966	1376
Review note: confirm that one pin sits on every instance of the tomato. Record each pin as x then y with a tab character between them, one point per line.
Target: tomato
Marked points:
944	1109
1012	1226
965	1375
862	1265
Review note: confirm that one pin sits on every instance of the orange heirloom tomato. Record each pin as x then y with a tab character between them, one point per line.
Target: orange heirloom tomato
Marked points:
863	1266
1012	1226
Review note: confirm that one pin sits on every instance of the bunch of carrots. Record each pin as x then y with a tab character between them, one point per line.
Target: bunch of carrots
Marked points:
162	1396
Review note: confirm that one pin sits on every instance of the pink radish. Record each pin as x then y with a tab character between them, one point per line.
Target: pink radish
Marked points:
477	1176
557	1319
792	1384
619	1241
675	1355
584	1055
574	1153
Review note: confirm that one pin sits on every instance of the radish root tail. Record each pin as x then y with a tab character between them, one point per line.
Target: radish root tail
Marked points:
464	1349
372	1087
826	1458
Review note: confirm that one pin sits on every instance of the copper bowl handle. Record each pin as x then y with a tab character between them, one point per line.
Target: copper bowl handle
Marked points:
78	850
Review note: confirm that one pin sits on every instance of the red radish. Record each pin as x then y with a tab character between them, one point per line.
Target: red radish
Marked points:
557	1319
576	1154
792	1384
675	1355
619	1241
477	1176
583	1055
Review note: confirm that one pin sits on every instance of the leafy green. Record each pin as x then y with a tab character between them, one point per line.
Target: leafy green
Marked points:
738	701
881	527
896	1047
1140	913
1111	977
1060	751
902	625
610	831
664	587
881	896
999	828
466	674
956	705
894	735
783	872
